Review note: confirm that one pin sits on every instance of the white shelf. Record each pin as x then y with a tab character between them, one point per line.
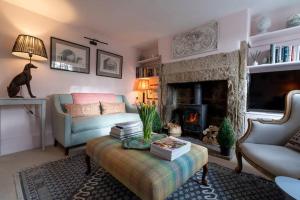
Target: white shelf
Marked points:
148	60
292	33
286	66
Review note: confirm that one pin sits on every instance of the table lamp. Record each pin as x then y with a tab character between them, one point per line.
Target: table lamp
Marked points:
31	48
142	85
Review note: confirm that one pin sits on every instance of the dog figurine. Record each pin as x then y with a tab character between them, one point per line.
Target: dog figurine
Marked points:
23	78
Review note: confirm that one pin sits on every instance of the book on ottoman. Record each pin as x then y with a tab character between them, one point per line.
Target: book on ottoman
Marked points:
126	130
170	148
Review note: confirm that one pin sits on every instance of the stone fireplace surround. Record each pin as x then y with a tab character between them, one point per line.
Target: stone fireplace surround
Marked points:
224	66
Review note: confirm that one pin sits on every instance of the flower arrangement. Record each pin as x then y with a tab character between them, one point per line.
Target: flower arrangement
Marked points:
147	113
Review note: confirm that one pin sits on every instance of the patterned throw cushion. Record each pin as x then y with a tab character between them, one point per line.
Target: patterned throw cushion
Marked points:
83	110
294	142
110	108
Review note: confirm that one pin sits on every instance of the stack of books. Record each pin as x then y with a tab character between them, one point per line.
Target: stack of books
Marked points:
170	148
280	54
126	130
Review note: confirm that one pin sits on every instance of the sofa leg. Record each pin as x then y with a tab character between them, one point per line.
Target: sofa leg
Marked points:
88	165
204	174
239	158
67	151
55	143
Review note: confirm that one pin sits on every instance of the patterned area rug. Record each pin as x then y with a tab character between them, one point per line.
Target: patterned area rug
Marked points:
65	179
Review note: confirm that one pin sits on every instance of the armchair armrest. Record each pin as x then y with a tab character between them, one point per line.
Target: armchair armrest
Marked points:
265	131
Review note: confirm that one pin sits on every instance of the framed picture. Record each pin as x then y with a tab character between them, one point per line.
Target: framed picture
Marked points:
109	64
68	56
152	94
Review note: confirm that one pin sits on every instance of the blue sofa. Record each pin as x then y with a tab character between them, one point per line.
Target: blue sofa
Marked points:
72	132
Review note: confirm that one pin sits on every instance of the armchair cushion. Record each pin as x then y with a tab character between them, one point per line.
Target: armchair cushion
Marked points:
278	160
96	122
294	142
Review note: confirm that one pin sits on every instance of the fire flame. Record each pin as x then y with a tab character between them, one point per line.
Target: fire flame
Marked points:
193	117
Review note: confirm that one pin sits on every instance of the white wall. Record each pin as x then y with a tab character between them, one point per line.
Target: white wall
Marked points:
232	29
19	130
278	18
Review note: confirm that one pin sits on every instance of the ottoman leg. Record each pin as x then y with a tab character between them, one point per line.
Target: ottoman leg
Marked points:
205	172
88	165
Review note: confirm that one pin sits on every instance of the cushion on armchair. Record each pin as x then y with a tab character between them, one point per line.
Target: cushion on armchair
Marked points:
294	142
278	160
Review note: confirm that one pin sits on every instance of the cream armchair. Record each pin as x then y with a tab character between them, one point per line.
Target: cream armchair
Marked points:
263	145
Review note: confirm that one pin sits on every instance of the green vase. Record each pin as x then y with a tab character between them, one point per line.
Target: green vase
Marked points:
147	130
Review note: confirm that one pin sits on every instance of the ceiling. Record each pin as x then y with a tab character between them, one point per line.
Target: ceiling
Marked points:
139	21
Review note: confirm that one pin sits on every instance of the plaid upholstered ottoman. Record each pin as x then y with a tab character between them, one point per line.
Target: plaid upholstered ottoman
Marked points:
148	176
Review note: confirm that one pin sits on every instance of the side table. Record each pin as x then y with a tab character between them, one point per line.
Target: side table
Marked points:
290	186
28	101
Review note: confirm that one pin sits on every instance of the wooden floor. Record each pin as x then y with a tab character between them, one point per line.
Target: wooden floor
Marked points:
11	164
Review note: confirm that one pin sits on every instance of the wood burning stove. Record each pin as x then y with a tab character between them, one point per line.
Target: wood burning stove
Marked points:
192	117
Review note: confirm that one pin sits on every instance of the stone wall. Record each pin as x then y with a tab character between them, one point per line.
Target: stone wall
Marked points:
223	66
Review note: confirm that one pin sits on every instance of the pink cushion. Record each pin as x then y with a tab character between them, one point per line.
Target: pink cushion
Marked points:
86	98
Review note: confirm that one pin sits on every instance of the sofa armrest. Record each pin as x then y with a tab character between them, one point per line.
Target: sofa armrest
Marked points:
129	108
61	123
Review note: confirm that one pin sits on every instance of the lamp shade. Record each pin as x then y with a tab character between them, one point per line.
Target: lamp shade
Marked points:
142	84
26	46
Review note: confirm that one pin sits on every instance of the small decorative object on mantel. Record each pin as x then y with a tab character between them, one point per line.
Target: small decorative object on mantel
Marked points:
68	56
263	24
147	113
196	41
226	137
293	21
109	64
255	57
26	46
174	129
210	135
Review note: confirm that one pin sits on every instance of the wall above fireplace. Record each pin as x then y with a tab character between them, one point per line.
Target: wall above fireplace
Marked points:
228	67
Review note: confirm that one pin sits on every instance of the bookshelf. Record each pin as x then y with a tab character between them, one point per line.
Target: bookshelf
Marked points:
281	56
148	68
285	66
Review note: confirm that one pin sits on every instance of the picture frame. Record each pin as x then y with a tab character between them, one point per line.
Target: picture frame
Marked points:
152	94
109	64
69	56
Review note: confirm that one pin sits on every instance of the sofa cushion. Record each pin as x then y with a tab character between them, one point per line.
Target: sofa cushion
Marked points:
95	122
279	160
84	98
82	110
110	108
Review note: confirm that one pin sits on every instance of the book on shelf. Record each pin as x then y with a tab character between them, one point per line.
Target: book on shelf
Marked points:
279	54
170	148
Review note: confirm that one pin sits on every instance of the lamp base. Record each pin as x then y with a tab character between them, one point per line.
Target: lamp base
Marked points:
23	78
